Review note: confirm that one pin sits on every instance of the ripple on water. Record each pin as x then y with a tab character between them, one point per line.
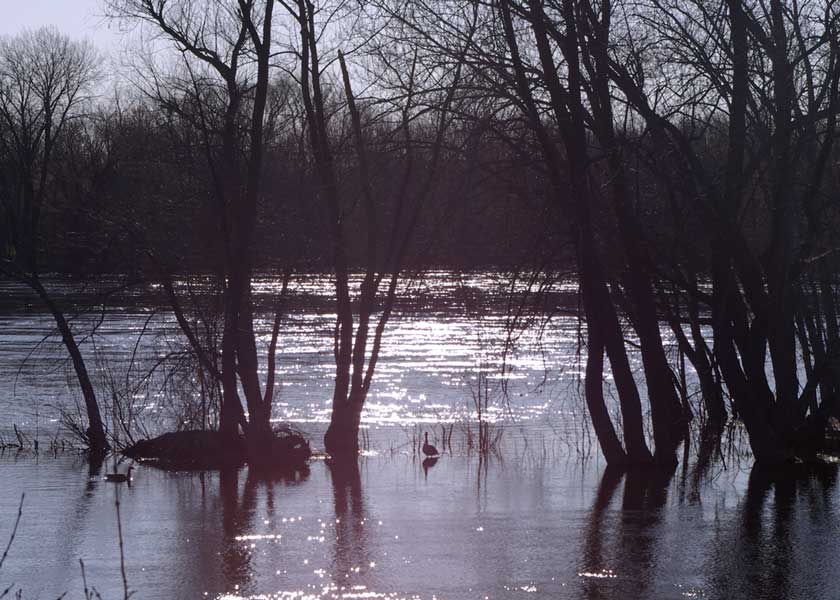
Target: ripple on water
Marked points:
394	528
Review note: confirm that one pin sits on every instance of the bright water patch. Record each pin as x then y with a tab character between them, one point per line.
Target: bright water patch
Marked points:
449	341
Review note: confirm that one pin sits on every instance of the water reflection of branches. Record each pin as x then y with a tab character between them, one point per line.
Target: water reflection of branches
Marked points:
762	556
350	552
237	520
634	560
238	517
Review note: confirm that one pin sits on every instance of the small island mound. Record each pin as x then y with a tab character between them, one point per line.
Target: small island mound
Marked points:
286	449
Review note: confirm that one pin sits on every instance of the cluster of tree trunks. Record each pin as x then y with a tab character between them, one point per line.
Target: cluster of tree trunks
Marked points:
759	301
726	114
685	150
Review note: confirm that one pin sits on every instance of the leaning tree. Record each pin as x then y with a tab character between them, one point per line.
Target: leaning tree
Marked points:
45	84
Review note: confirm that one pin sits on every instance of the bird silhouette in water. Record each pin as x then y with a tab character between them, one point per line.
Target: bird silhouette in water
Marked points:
120	477
428	463
428	449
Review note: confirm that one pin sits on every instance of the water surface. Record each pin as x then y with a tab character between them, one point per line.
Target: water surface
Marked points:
448	334
533	521
460	529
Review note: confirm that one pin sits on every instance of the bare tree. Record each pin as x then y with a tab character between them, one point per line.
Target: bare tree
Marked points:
359	333
766	74
45	79
227	48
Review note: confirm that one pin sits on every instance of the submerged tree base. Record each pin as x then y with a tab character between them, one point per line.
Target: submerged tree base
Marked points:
818	441
287	449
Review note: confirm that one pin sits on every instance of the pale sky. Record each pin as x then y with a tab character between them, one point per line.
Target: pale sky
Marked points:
76	18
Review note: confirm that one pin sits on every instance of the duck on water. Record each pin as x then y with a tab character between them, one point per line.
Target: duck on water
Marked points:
120	477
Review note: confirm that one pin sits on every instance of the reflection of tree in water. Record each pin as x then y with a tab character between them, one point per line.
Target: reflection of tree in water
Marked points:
351	559
70	537
238	519
767	553
645	495
775	547
629	571
708	449
594	563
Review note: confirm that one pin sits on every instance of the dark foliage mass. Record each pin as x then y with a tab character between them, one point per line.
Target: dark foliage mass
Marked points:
677	156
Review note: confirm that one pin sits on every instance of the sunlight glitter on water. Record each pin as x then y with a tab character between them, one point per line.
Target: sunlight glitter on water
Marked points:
517	529
435	353
327	593
602	574
265	536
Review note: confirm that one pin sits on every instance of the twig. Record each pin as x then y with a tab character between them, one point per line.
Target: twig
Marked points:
19	436
126	593
14	531
84	579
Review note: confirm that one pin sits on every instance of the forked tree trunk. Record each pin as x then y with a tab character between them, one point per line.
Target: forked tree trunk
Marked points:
669	422
598	306
594	394
341	441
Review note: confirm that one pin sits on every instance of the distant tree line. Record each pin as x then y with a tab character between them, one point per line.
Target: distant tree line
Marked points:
679	155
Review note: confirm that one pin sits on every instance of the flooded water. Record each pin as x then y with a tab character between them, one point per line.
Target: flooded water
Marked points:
533	521
460	529
439	351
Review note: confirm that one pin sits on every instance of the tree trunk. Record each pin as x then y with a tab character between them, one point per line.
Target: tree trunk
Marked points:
594	391
748	390
97	440
341	441
669	423
597	303
712	394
